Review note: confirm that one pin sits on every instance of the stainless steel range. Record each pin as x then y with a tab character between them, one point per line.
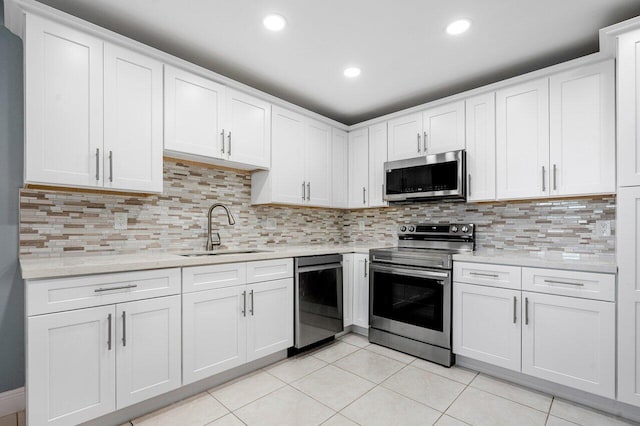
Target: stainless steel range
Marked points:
410	290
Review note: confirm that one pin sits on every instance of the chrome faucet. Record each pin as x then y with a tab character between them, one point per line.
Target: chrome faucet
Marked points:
214	240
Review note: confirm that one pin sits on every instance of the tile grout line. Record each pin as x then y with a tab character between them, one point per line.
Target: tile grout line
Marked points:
244	405
547	411
467	385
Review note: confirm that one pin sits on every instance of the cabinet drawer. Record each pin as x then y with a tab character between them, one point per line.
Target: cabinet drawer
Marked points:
487	274
64	294
269	270
587	285
213	276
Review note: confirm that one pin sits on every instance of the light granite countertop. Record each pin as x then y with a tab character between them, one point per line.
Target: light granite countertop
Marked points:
546	259
55	267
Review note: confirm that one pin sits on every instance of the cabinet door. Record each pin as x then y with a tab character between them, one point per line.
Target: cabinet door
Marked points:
71	363
628	109
287	157
443	128
486	324
214	336
522	120
377	158
581	352
318	163
269	317
63	105
132	121
249	130
193	114
481	147
583	135
359	168
347	289
340	170
361	290
628	252
405	137
148	348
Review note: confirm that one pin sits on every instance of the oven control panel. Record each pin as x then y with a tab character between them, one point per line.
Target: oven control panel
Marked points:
451	229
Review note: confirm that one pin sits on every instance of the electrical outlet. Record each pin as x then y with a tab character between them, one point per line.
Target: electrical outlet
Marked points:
120	220
271	224
603	228
361	225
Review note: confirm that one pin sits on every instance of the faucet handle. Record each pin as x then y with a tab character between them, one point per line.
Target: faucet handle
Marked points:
215	239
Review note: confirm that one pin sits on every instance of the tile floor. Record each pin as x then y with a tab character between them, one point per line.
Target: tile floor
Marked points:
352	382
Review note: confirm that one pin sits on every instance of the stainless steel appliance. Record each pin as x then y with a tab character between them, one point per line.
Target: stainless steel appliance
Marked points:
427	177
318	298
410	290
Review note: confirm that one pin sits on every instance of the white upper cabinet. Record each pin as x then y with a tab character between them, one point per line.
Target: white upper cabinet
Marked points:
582	126
522	144
63	105
340	169
628	109
359	168
248	125
377	158
481	148
443	128
193	114
132	121
318	163
405	137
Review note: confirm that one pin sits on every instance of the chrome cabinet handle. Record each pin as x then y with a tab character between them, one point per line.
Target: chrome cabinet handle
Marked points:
526	311
303	193
244	303
124	287
418	142
424	141
515	304
480	274
222	134
555	186
563	282
97	163
364	195
109	331
469	190
366	263
229	140
252	307
544	186
382	192
124	328
110	166
308	191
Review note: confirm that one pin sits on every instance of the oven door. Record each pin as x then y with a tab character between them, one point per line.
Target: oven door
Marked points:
411	302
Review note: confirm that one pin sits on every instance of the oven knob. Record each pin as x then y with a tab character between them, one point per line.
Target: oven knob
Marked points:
465	228
454	228
412	228
403	228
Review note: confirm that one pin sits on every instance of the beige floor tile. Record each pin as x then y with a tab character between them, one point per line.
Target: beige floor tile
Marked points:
449	421
241	392
228	420
10	420
333	387
286	406
339	420
355	340
480	408
583	416
459	374
423	386
369	365
557	421
335	351
195	411
382	406
296	368
390	353
525	396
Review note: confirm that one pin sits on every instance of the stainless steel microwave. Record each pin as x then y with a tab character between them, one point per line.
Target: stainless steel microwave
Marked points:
430	177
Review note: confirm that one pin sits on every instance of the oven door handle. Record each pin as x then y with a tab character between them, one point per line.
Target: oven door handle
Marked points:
411	272
319	267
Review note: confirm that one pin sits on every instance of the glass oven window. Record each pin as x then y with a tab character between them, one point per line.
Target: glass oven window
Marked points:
412	300
321	295
425	178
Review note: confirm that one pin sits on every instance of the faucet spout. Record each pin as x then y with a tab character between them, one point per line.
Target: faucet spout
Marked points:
214	239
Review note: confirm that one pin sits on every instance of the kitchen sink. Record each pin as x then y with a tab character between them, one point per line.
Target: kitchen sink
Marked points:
222	252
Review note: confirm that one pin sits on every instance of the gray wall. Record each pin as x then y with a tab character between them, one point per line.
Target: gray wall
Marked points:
11	152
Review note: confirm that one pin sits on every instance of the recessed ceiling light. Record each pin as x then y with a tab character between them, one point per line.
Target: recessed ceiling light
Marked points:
274	22
352	72
458	27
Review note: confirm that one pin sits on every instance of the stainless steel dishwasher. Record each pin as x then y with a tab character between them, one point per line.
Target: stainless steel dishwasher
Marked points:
318	298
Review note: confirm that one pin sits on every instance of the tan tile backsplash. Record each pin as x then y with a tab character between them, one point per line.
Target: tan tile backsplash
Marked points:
58	223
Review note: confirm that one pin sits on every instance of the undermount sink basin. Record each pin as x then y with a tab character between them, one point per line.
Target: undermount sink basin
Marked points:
222	252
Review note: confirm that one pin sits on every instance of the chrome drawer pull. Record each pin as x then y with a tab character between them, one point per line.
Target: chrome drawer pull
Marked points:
564	282
526	311
479	274
124	328
515	307
252	309
109	331
124	287
244	303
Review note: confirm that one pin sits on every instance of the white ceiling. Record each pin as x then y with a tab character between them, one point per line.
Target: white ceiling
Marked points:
405	55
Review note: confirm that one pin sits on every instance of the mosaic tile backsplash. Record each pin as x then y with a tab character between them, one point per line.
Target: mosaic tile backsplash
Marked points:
61	223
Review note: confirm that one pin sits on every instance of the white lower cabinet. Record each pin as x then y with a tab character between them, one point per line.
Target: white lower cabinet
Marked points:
347	289
486	324
361	290
570	341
